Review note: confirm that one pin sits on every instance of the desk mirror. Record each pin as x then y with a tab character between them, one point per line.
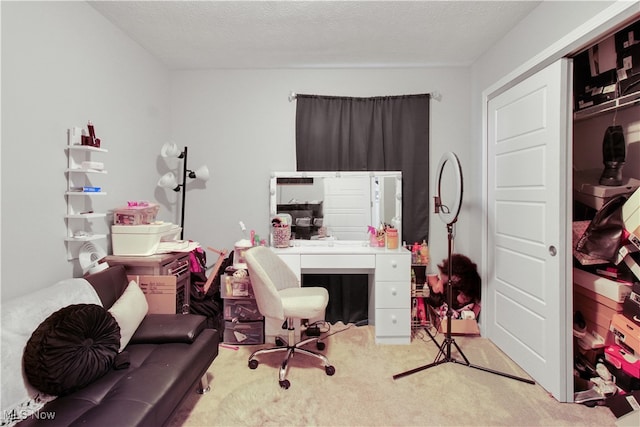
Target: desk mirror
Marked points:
337	205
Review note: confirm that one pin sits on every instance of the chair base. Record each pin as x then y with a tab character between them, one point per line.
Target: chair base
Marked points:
291	350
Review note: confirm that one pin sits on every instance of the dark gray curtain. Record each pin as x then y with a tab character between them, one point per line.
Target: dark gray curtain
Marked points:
389	133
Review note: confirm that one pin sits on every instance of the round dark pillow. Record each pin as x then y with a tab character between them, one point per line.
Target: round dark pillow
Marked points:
71	348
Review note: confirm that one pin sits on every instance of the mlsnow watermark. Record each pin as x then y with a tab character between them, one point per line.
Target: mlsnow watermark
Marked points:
25	413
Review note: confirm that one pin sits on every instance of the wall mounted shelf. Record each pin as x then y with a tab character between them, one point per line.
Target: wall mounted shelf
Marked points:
80	213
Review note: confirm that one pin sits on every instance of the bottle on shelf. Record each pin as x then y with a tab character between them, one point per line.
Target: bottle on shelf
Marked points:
424	253
415	253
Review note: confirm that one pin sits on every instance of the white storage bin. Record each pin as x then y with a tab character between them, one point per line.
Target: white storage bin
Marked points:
141	240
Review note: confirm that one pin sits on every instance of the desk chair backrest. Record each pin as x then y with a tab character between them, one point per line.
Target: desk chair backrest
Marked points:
269	274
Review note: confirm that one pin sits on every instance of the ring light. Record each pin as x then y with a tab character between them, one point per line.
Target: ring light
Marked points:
449	215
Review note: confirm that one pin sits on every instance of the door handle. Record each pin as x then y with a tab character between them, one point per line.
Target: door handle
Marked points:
553	251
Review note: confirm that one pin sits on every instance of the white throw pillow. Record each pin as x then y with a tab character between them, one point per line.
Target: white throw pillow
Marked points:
129	310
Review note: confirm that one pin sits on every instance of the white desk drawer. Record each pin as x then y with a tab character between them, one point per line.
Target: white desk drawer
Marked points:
393	267
393	322
337	262
393	295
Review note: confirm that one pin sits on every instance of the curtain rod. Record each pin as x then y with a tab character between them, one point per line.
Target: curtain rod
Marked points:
436	96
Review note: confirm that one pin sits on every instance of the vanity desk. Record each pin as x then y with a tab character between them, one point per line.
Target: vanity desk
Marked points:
343	204
389	272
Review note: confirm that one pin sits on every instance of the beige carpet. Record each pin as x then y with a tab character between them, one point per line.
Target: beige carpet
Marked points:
363	392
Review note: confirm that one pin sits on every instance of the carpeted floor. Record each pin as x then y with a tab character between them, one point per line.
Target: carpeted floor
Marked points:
363	392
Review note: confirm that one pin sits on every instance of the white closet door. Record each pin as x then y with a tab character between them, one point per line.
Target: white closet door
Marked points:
528	255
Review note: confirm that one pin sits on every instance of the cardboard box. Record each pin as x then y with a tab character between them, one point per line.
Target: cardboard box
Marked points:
615	305
624	333
621	359
631	308
611	289
596	314
460	327
588	191
591	341
631	217
160	292
624	251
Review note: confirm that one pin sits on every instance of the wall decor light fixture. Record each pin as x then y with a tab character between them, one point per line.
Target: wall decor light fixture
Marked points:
169	180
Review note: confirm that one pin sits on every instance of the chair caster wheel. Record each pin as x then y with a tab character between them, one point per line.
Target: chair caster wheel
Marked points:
279	342
253	363
320	345
330	370
285	384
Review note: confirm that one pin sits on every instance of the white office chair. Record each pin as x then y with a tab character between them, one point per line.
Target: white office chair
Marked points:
279	295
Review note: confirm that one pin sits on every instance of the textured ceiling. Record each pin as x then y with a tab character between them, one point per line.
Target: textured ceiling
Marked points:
304	34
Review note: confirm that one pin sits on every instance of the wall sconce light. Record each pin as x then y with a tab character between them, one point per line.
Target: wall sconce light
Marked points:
169	179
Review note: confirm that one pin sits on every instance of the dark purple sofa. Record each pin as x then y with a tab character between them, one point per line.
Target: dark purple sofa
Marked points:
168	359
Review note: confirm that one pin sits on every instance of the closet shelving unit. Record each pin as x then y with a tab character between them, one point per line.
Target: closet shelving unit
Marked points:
80	211
599	304
625	101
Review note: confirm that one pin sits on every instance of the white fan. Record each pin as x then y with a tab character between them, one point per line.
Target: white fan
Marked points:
89	258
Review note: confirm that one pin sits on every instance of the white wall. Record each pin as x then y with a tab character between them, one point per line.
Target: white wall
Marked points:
241	123
62	65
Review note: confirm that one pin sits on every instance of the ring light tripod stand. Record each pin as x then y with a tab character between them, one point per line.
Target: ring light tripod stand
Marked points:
449	216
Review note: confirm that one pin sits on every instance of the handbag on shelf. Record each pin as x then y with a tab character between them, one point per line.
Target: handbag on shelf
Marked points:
603	236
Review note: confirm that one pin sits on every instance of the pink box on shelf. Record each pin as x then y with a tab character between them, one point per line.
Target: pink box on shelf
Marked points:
622	359
136	215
